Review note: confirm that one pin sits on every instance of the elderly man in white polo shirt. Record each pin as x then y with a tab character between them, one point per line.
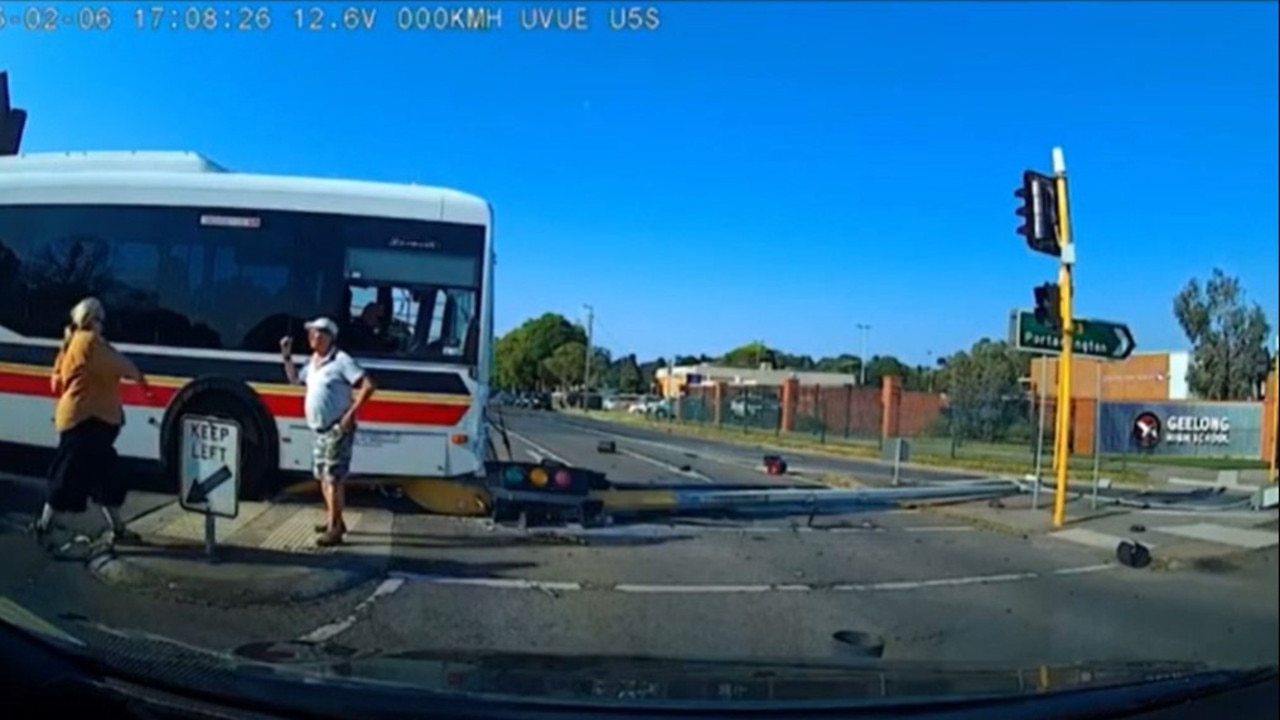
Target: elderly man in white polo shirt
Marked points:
336	389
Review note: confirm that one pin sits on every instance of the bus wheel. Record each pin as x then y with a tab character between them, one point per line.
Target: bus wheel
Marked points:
223	397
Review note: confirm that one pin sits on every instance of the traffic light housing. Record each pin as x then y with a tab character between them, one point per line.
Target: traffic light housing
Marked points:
1039	211
1049	305
12	120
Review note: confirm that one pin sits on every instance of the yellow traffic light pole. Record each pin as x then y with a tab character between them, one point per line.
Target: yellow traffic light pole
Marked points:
1062	444
1275	414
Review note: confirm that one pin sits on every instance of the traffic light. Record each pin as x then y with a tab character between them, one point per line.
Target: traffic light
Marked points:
1039	211
1049	305
12	120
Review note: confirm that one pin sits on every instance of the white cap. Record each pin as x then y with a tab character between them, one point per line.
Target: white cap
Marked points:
324	325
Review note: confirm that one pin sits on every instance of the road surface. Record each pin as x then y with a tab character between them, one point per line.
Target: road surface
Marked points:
933	590
579	431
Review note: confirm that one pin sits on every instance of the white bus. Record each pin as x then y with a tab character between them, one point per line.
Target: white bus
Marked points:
203	270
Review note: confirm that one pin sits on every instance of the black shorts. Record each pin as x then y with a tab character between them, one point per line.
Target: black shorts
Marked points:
86	467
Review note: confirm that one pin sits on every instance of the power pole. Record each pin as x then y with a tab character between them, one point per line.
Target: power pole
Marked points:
586	370
863	328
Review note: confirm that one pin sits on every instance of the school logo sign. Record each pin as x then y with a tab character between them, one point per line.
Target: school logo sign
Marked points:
1146	431
1209	429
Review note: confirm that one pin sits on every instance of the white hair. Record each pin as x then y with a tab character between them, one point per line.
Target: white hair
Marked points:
85	314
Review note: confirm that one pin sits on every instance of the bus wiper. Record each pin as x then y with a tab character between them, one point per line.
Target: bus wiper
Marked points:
506	441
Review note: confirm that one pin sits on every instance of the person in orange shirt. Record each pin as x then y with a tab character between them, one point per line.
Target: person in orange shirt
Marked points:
89	414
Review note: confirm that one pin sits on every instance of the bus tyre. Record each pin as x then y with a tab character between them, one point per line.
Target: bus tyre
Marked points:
223	397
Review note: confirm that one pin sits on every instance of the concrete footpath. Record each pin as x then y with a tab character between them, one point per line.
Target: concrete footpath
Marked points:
1206	540
266	555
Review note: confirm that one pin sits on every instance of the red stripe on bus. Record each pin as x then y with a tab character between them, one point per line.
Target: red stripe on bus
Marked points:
280	405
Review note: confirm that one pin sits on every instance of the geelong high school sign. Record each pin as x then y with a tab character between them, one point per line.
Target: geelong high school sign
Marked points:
1198	430
1209	429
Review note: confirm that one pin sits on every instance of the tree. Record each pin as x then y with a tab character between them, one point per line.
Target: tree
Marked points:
519	355
984	392
751	355
882	366
630	378
565	366
1228	338
649	372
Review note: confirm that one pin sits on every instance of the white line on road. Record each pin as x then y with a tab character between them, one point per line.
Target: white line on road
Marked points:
795	473
673	589
1084	570
941	528
538	448
664	465
325	633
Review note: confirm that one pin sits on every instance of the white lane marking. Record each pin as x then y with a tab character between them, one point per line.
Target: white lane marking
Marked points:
665	465
937	582
1085	569
795	473
722	459
489	583
538	448
709	589
757	588
533	454
325	633
940	528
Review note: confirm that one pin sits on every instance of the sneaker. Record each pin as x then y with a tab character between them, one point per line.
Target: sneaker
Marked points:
329	539
324	527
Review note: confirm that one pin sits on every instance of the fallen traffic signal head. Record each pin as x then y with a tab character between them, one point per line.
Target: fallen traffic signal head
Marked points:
1039	210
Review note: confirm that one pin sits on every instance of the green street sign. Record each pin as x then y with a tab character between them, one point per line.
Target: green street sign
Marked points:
1092	338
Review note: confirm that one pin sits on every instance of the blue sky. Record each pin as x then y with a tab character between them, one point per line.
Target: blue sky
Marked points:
747	170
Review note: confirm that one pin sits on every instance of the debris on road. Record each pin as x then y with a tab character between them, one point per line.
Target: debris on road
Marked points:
860	644
775	465
1133	554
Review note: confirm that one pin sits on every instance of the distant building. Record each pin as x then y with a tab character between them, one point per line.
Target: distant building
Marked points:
1144	376
671	380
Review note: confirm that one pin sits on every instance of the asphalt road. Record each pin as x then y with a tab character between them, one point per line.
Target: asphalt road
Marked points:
719	461
932	589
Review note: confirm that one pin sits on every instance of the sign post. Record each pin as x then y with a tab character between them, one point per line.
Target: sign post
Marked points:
210	472
1275	415
1044	400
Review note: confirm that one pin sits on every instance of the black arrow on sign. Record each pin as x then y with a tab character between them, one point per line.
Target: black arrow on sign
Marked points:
200	489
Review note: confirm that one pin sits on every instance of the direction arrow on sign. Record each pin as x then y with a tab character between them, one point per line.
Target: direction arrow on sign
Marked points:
1092	338
201	489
